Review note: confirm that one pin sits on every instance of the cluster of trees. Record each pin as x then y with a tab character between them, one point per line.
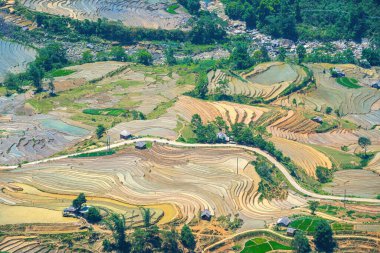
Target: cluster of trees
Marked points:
323	239
147	239
207	28
49	58
192	6
307	20
241	134
324	175
93	215
241	58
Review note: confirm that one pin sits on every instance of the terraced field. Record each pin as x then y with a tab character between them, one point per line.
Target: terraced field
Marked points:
148	13
357	104
14	57
351	182
192	179
259	83
304	156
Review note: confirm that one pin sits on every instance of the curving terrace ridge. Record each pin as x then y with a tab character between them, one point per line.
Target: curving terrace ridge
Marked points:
281	167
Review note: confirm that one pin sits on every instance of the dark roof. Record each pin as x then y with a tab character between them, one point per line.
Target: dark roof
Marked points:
206	213
125	133
140	144
284	220
84	209
70	209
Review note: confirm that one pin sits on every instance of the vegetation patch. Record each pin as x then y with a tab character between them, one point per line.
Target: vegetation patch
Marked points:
95	154
309	224
172	8
347	82
61	72
262	245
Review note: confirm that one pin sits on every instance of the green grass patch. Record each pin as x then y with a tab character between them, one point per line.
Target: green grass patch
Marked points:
171	9
61	72
309	224
126	83
262	245
161	109
347	82
116	112
95	154
3	91
339	158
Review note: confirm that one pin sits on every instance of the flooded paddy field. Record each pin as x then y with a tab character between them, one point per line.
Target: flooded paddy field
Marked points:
14	57
136	13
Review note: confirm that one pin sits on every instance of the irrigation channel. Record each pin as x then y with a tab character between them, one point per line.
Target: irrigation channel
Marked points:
281	167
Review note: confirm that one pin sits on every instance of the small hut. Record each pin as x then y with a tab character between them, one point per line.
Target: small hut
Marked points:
125	135
283	221
206	215
140	145
291	231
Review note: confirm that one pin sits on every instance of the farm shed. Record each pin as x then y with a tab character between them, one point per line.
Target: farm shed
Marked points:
223	137
125	135
140	145
206	215
318	119
70	211
283	221
291	231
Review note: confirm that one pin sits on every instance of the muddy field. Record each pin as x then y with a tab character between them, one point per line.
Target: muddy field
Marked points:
14	57
149	14
361	183
192	179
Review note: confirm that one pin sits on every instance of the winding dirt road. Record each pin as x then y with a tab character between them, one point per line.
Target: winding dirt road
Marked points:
281	167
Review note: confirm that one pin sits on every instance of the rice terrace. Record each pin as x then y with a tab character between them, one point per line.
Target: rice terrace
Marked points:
181	126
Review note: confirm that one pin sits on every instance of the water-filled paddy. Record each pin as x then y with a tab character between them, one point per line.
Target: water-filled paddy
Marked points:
275	74
14	57
61	126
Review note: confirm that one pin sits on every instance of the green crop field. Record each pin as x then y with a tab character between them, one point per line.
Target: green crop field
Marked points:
309	224
95	154
61	72
108	111
171	9
262	245
350	83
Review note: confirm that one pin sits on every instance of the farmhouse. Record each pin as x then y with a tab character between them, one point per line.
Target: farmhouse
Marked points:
223	137
125	135
140	145
335	72
206	215
283	221
70	211
291	231
317	119
376	85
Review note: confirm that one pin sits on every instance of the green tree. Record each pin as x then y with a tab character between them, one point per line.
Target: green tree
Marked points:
209	28
146	214
323	237
170	242
100	130
301	52
329	110
201	86
187	238
93	215
300	243
79	201
281	54
116	224
87	57
169	56
118	54
240	57
323	174
36	74
144	57
313	205
364	142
